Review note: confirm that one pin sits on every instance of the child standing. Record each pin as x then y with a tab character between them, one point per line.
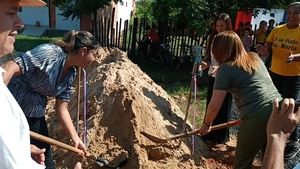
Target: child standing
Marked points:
247	39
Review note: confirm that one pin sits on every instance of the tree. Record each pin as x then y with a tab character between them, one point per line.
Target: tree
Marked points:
198	14
144	10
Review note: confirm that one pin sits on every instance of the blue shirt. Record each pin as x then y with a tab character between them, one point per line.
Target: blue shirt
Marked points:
42	68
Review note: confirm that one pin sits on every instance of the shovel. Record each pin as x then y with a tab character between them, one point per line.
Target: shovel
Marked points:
189	133
100	161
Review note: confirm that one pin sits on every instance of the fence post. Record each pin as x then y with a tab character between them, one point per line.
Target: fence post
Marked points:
133	42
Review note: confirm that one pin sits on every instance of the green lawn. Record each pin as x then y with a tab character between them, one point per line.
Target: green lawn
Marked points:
24	43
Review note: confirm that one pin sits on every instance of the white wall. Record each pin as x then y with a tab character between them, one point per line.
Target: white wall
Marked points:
63	24
124	11
278	17
30	15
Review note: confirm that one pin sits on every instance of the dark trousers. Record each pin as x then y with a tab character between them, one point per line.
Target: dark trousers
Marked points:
39	126
288	87
223	116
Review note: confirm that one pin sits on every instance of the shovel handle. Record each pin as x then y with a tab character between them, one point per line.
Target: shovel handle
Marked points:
59	144
215	127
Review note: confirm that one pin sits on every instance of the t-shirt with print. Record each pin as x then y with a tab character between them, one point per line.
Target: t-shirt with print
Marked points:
284	41
249	91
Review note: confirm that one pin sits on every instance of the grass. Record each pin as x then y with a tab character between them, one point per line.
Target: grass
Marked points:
24	43
175	82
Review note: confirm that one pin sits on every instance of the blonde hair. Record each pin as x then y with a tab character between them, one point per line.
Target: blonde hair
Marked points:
74	40
228	48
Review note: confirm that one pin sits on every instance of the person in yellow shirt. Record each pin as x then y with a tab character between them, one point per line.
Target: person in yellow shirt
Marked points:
260	33
283	42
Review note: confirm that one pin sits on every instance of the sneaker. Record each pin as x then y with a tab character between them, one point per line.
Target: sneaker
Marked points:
291	150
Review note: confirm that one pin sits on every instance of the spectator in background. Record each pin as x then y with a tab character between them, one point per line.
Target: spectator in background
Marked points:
152	35
260	33
284	41
281	23
240	30
221	24
248	25
247	40
271	25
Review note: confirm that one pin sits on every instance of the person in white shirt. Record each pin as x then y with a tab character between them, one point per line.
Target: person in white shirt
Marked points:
15	149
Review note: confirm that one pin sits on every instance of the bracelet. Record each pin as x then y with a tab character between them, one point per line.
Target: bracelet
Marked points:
208	125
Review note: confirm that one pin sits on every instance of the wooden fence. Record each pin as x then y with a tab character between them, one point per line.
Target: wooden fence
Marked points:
125	35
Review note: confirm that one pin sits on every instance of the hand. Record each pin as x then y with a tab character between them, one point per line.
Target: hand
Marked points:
290	58
37	154
79	144
285	117
203	65
214	70
204	129
262	50
265	29
78	166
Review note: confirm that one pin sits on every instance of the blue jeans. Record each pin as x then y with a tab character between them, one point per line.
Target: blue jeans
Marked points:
39	126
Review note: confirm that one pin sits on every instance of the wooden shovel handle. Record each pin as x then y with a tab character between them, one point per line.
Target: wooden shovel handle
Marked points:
215	127
59	144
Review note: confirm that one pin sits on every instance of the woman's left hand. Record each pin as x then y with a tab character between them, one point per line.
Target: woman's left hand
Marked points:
79	144
204	129
290	58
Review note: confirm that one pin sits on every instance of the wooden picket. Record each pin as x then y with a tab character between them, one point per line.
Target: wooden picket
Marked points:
110	34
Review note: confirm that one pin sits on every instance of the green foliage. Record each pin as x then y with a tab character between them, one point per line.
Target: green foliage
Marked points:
78	8
144	10
198	14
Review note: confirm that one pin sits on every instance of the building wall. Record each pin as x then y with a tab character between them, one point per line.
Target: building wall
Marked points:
124	11
276	14
66	24
86	23
30	15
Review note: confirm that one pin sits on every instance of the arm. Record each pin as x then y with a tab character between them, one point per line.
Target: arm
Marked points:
293	57
264	50
214	106
61	108
259	34
278	134
12	69
205	63
147	37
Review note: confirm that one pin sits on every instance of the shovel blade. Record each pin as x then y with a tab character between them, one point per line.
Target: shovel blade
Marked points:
153	138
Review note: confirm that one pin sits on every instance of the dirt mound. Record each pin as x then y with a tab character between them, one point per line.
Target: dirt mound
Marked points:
122	102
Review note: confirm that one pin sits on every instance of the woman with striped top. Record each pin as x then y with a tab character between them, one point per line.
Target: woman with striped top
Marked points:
50	70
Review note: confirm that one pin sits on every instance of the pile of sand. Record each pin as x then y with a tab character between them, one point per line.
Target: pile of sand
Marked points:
122	102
